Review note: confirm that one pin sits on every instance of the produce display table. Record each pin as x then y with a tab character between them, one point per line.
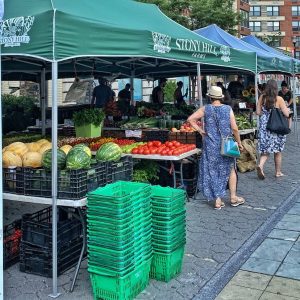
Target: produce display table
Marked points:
171	159
78	204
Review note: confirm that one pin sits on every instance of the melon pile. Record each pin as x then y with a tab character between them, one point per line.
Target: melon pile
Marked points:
19	154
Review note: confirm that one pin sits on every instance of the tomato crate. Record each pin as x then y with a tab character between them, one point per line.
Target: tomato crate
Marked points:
38	261
156	135
13	180
12	234
72	184
126	287
187	138
37	227
119	170
164	267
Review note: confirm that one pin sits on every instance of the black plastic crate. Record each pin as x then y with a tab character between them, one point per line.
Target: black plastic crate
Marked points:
190	186
13	180
38	261
72	184
156	135
37	228
11	243
120	170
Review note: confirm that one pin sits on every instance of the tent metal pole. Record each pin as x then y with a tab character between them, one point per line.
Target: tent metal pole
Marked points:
295	112
199	88
55	293
132	75
43	101
1	191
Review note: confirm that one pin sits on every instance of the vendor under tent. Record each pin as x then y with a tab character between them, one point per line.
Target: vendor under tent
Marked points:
266	61
50	39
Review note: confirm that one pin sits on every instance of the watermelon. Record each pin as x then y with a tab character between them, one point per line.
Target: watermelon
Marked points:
83	147
78	159
108	152
47	159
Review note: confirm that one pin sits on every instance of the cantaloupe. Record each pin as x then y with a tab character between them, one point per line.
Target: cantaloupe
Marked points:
66	148
17	148
33	147
45	147
10	159
32	160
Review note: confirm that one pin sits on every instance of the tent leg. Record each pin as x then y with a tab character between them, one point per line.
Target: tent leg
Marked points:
295	112
1	193
55	293
132	86
199	88
43	101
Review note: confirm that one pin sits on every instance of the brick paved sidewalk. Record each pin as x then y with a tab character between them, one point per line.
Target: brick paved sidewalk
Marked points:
213	238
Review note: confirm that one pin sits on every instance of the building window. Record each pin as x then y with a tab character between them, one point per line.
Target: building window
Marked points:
255	26
297	41
272	11
244	18
295	10
296	25
273	26
254	11
297	54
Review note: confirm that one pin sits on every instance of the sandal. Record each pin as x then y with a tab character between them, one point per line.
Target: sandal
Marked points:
238	201
219	205
260	173
279	175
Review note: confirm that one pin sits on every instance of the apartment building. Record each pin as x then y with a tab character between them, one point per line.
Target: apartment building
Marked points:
243	7
277	23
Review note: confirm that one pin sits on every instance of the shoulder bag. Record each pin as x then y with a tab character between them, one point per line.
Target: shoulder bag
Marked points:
229	146
277	122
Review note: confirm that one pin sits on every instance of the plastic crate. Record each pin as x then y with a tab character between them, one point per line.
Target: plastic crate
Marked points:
156	135
187	138
11	243
121	288
120	170
37	228
13	180
72	184
164	267
38	261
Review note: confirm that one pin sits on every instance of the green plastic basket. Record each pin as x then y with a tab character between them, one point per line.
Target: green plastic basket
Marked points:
121	288
164	267
167	193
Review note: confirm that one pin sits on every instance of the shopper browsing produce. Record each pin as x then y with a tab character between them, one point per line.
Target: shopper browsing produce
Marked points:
217	171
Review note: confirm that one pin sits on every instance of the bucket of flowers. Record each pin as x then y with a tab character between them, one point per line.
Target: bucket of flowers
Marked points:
249	97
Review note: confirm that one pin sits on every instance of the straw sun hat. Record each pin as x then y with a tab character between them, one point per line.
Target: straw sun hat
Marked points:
215	92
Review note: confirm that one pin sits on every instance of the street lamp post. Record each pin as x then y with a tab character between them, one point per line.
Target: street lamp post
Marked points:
294	40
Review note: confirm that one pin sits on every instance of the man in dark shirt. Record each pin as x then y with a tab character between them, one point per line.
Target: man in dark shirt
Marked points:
235	88
102	94
124	99
158	93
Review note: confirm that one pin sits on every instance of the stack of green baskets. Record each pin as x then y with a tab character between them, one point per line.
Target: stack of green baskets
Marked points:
168	239
119	220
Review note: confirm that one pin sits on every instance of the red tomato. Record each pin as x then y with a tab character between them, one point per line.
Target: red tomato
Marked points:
150	144
170	153
163	152
146	152
153	151
177	144
157	143
134	151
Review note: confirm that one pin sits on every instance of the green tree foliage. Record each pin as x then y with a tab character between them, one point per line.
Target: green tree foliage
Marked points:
195	14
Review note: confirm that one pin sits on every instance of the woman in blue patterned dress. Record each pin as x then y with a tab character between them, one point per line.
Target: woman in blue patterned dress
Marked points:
269	142
216	172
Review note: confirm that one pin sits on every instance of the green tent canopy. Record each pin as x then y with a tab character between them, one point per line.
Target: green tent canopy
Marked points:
112	36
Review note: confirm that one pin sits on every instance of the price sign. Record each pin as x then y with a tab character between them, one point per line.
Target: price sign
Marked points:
133	133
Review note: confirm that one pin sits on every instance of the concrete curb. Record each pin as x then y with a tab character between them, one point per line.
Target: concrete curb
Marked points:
214	286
